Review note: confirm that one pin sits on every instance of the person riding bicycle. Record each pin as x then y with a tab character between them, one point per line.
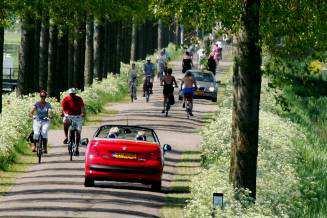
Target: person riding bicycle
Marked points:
168	82
73	108
189	86
162	64
187	63
148	70
41	121
133	80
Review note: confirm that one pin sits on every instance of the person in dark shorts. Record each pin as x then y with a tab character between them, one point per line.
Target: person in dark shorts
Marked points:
168	82
187	62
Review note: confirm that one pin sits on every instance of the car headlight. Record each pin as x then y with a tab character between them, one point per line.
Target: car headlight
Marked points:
211	89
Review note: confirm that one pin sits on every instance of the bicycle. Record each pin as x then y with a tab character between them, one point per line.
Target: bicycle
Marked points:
167	105
39	143
72	130
147	89
133	91
188	106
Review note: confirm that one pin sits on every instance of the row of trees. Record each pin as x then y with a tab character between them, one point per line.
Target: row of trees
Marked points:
69	43
288	30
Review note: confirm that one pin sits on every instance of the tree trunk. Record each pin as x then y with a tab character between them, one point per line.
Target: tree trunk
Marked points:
36	56
89	52
62	61
177	39
99	49
44	48
246	93
25	75
160	38
79	55
71	56
111	47
118	47
52	62
2	33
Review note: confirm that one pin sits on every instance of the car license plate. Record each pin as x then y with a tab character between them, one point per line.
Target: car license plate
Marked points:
130	156
199	93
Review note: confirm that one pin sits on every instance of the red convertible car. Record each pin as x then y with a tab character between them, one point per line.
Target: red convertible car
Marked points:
124	153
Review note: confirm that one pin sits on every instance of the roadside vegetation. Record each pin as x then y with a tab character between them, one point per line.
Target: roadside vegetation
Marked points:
291	175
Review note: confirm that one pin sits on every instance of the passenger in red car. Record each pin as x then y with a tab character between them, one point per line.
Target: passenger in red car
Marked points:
113	133
140	136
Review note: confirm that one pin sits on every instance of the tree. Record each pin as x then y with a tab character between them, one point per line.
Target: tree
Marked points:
246	95
89	53
99	48
26	61
44	48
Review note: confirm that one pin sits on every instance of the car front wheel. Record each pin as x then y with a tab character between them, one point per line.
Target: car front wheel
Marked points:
88	182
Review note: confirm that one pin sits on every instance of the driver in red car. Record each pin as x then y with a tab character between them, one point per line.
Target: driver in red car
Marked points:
73	108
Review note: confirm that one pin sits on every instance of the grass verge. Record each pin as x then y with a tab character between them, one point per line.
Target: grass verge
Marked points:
179	192
20	159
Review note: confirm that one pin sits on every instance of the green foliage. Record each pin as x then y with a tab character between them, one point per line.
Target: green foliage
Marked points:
278	184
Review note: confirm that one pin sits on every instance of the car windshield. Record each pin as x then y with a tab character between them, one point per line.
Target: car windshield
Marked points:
127	132
203	77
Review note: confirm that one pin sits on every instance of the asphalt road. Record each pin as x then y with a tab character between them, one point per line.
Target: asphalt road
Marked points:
55	187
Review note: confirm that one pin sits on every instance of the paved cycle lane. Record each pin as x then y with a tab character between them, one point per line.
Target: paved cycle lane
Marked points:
55	187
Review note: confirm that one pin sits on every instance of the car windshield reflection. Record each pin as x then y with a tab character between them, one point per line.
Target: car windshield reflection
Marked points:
203	77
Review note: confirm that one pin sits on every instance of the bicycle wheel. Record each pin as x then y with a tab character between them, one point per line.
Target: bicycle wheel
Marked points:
132	93
147	95
167	108
39	149
71	150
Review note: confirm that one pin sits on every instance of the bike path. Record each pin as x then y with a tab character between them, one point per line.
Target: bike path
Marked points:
55	187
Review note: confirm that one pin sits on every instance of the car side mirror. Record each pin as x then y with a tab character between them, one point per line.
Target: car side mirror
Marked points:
166	148
84	141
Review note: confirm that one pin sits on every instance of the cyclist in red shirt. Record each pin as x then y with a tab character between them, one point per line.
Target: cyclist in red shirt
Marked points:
73	108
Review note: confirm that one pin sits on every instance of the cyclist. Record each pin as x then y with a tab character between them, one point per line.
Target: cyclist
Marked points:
187	63
168	82
162	64
42	109
189	86
73	108
133	80
148	70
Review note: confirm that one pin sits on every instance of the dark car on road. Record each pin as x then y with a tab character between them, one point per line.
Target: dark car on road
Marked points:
207	85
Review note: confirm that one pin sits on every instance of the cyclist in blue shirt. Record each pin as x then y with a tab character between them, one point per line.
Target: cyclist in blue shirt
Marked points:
41	120
148	70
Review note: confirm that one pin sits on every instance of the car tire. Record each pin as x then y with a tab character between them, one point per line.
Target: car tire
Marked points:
88	182
214	99
156	186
